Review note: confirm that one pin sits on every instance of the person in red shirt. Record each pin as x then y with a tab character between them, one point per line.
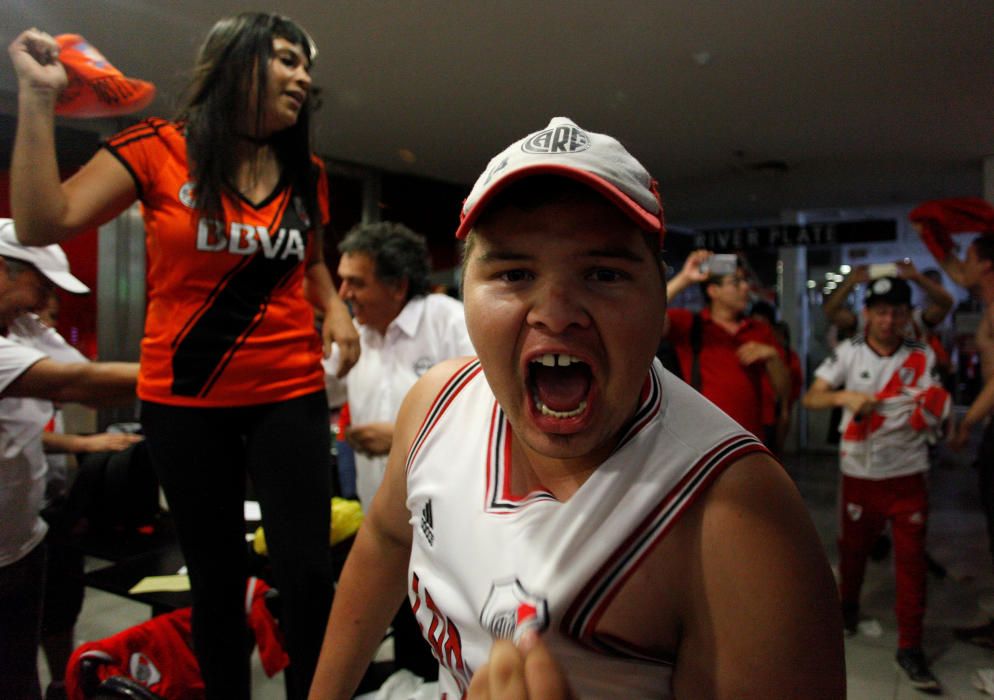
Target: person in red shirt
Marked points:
777	425
733	352
233	202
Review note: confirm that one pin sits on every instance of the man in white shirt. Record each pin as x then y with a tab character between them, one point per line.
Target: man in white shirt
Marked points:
29	382
403	332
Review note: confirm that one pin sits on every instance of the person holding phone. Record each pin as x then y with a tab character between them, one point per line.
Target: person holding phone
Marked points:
938	301
722	352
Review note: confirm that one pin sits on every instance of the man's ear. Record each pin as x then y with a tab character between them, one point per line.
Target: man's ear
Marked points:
708	295
401	287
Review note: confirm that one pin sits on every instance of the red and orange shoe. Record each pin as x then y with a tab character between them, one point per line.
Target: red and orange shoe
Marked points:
96	88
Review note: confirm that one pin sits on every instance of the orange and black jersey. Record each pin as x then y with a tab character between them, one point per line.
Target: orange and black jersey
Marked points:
227	322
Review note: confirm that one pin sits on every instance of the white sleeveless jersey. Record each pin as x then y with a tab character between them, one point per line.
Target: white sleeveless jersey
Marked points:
487	563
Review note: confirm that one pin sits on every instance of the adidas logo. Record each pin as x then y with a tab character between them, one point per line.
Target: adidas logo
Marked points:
427	524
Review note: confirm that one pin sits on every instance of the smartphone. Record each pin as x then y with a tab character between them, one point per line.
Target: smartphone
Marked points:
878	270
721	265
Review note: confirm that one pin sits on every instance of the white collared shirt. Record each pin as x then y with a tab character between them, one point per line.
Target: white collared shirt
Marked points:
428	329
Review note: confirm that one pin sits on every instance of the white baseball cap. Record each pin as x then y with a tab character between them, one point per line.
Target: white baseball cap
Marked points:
563	148
49	260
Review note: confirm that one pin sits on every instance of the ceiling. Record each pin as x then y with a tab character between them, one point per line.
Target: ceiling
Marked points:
742	110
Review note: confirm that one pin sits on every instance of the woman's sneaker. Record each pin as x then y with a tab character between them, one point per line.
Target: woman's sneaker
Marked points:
912	662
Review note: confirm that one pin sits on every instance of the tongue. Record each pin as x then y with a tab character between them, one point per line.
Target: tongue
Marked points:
561	388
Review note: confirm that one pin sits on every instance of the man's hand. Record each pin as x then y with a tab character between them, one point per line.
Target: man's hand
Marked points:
107	442
959	436
338	328
692	266
860	274
906	270
691	273
860	404
752	352
524	672
35	56
370	439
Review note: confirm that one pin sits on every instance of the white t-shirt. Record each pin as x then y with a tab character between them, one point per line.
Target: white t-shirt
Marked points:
428	329
22	461
30	331
883	444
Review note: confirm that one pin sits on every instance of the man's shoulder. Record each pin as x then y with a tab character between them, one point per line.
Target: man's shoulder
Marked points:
759	331
444	320
14	346
442	305
15	359
678	324
422	396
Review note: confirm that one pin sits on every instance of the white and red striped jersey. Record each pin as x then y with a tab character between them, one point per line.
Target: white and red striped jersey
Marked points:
488	563
883	444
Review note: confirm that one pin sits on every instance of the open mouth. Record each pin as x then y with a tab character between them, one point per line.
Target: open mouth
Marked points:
297	98
559	385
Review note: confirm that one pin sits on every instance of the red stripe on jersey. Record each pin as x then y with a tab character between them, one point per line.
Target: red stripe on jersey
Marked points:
455	384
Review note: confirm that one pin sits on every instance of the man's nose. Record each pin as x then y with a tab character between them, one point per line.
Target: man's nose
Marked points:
556	307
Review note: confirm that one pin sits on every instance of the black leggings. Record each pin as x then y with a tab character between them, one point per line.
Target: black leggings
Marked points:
202	457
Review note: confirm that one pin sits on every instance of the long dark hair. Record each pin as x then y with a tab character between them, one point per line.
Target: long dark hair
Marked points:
216	97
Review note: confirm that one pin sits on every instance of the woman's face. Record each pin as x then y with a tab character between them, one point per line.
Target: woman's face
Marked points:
288	85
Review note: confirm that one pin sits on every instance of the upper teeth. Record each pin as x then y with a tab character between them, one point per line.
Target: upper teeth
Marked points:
551	359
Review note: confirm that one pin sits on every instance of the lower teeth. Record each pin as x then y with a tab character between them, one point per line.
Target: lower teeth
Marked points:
546	411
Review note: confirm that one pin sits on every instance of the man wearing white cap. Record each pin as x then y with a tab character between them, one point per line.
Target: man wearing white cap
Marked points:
29	382
564	493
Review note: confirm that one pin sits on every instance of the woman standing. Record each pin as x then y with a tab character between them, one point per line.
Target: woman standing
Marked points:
231	381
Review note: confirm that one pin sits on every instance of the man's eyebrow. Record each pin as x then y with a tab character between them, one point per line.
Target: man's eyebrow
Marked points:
621	252
503	256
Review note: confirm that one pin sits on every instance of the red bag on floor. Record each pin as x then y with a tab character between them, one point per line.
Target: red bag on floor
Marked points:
158	654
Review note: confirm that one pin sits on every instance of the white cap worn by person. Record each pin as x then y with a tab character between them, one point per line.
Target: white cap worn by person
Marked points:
563	148
49	260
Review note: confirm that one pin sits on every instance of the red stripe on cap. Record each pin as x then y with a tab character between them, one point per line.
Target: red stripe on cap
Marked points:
646	220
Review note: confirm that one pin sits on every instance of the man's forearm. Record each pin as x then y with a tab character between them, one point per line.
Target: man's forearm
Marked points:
104	383
818	400
370	590
779	377
981	406
836	300
677	284
940	300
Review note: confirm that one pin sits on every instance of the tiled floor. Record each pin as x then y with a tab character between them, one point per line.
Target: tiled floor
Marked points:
957	539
